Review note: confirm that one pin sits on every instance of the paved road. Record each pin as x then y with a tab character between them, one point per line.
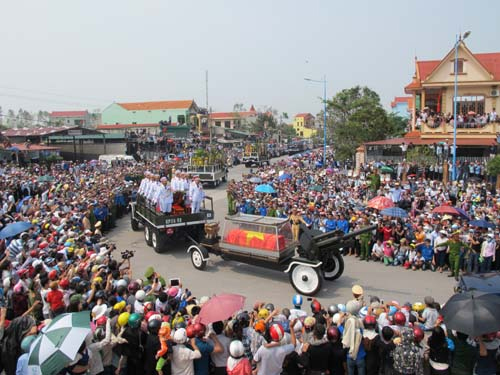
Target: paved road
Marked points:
389	283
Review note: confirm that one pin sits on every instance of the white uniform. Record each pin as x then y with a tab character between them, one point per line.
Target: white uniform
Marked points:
177	184
196	193
165	198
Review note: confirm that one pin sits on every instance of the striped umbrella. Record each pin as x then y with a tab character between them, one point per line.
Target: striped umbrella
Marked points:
58	344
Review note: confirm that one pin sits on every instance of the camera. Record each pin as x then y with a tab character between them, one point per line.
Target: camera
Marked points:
127	254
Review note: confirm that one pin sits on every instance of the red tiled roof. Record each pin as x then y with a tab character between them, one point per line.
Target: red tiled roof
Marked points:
425	68
216	115
33	132
69	114
401	99
127	126
303	115
151	106
491	61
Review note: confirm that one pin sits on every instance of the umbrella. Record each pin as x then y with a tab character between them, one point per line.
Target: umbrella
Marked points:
316	188
19	205
284	176
462	213
255	180
14	228
58	345
394	212
444	209
380	203
265	188
386	169
481	224
45	178
474	313
221	307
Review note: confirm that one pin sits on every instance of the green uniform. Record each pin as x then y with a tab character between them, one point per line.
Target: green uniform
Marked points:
365	245
454	255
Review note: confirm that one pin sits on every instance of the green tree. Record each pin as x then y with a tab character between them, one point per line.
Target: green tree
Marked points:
356	116
288	131
493	167
398	125
421	155
264	122
239	107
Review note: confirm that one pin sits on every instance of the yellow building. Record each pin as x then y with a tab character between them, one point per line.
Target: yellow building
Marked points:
303	123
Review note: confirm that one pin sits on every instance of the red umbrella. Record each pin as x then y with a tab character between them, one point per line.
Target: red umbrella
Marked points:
221	307
444	209
380	203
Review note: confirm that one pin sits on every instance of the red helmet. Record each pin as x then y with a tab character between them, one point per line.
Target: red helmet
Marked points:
333	333
315	306
190	331
148	315
101	321
418	333
64	283
399	318
276	332
43	245
133	287
33	253
369	321
53	275
199	329
148	306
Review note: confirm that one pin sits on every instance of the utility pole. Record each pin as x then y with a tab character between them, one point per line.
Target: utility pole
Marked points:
208	108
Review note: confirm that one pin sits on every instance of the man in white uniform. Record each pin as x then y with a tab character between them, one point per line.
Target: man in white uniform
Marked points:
196	194
165	197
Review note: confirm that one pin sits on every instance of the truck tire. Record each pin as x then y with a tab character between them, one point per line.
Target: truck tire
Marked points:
333	267
197	258
305	280
134	224
147	234
158	241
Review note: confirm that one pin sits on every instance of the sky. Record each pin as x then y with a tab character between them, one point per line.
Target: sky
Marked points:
86	54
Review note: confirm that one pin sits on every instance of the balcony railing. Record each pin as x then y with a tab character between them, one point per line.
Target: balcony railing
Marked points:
491	128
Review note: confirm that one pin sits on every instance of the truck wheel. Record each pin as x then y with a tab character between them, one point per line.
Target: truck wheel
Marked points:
197	259
134	224
159	241
305	280
147	234
333	267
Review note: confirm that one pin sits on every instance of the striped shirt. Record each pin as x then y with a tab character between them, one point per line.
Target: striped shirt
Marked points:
15	248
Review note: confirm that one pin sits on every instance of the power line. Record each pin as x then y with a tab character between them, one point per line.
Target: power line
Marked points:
46	100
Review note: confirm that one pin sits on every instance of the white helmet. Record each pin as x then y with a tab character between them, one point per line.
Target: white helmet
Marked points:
120	283
140	295
236	349
180	336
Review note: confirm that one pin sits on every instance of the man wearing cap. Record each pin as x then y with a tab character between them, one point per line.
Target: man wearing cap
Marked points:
165	196
454	247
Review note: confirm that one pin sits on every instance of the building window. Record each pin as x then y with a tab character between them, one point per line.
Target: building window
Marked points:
470	103
460	66
217	123
227	124
181	119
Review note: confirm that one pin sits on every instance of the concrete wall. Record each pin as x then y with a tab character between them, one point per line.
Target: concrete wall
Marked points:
489	102
90	151
116	114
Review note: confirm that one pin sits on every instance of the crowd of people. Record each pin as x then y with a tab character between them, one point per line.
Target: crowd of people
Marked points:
329	199
465	120
143	324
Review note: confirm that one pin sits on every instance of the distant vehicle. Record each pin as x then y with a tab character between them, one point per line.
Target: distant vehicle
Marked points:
255	155
114	157
296	147
212	175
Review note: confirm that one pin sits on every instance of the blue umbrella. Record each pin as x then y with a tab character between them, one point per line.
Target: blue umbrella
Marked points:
265	188
14	228
394	212
18	207
481	224
284	176
462	213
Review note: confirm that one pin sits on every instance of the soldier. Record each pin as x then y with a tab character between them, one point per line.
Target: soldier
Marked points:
196	194
165	197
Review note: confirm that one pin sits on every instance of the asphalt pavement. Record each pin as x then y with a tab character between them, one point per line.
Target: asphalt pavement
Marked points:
258	284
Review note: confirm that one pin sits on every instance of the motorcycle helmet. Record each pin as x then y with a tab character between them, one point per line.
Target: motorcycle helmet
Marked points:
332	333
297	301
260	326
332	310
123	319
140	295
341	307
236	349
134	321
180	336
121	283
369	322
276	332
154	326
199	330
399	318
269	307
243	318
418	333
101	321
315	306
263	314
190	331
133	287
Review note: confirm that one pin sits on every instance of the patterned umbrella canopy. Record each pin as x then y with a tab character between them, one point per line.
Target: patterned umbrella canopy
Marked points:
58	345
379	203
394	212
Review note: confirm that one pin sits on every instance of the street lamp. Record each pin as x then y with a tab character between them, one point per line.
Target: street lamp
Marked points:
324	114
455	96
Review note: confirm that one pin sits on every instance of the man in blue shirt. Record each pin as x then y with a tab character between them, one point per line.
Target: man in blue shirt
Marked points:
262	210
427	253
330	223
201	365
342	224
